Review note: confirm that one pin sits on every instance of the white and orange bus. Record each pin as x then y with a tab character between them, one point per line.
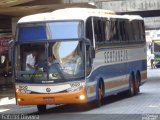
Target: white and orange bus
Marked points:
96	54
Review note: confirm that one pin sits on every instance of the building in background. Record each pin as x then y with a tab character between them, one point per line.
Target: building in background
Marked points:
12	10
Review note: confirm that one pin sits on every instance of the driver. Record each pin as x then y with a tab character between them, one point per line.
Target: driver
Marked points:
31	60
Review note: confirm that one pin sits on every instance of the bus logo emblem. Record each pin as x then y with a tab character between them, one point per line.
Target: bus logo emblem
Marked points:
48	89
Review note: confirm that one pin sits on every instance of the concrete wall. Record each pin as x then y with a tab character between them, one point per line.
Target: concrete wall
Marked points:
152	22
129	5
123	5
117	6
14	23
79	1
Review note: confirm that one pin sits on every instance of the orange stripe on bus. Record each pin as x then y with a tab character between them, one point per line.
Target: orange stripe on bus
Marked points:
115	83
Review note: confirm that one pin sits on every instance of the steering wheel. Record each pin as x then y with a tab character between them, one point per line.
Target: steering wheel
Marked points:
56	66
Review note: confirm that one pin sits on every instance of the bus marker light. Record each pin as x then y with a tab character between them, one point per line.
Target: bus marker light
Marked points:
20	99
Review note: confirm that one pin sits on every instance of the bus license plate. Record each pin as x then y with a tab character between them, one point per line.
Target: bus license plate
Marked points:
48	99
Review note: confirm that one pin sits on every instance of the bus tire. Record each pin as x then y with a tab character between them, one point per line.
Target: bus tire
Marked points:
136	89
137	83
99	95
41	108
131	91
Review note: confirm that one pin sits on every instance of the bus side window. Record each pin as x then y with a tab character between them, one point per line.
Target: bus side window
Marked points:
121	30
124	30
103	29
136	31
98	30
115	33
142	31
89	32
114	29
129	31
107	31
132	40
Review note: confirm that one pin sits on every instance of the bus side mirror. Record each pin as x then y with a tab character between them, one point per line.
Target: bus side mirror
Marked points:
87	41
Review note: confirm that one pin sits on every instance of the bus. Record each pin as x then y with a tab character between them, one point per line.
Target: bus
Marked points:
96	54
153	48
155	53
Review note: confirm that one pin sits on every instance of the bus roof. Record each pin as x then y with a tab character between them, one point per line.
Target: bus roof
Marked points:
133	17
74	14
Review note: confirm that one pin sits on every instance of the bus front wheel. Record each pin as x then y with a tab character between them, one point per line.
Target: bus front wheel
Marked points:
137	84
41	108
99	96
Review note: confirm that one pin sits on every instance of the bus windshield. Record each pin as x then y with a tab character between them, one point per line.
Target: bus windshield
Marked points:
50	61
50	31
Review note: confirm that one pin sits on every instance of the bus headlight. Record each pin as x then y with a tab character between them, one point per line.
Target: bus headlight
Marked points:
23	91
82	97
77	86
74	89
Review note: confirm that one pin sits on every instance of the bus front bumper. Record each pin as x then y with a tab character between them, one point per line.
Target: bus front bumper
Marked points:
76	97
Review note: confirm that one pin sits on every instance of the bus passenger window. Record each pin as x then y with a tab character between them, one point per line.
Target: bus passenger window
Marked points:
128	31
107	32
142	31
136	31
98	30
124	30
114	30
89	32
